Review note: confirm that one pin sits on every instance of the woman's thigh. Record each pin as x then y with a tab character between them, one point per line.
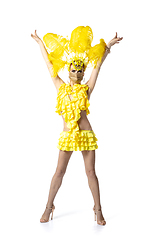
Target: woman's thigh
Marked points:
89	161
63	160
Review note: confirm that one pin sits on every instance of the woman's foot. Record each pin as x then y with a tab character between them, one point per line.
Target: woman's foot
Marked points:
99	216
46	214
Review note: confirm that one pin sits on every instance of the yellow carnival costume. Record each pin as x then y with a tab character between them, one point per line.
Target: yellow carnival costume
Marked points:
74	139
78	52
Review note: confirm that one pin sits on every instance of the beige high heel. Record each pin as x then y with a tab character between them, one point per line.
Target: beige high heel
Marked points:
43	220
102	222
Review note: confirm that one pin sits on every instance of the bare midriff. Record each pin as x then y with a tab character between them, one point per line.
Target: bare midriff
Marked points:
83	122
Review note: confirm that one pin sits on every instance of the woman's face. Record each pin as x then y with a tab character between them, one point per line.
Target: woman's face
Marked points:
76	75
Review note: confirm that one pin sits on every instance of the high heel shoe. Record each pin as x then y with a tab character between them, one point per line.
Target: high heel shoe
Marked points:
43	220
100	222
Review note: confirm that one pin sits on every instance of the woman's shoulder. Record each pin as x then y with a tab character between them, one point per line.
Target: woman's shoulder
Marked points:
61	86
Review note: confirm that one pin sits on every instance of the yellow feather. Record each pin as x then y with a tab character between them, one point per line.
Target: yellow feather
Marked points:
81	38
96	53
56	43
63	51
57	64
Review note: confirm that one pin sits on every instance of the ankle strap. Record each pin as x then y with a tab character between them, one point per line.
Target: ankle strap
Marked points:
53	207
99	210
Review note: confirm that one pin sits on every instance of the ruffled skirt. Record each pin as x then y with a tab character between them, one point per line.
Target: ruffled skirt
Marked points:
82	140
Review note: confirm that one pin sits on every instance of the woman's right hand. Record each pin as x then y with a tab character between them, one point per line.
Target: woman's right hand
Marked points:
35	37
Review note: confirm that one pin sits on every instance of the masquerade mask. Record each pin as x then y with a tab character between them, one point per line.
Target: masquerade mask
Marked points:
77	64
77	73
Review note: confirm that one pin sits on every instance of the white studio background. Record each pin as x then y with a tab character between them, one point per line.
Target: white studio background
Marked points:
125	116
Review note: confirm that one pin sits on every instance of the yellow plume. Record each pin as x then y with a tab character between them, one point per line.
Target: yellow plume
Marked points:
96	53
58	47
81	39
63	52
57	64
56	43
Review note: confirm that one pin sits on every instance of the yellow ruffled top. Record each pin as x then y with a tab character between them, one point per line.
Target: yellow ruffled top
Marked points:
70	109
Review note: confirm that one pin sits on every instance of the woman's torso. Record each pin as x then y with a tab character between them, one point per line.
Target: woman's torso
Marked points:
83	121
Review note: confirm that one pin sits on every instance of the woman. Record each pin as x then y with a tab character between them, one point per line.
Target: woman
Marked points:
72	105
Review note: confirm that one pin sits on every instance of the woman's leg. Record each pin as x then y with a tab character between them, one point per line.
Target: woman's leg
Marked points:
89	160
56	182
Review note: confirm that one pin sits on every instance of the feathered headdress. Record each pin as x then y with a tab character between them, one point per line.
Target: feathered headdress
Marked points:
77	50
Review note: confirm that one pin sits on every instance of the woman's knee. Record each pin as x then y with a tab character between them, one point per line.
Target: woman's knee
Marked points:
60	173
91	173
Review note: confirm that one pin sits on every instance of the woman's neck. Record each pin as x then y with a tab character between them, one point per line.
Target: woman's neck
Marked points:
72	83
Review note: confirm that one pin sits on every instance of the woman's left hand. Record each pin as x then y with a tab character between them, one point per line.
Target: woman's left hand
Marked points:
114	41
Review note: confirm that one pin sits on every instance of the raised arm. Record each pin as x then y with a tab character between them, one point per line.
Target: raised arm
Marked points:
56	80
94	75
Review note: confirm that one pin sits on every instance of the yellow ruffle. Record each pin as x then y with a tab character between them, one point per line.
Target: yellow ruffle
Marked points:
70	109
83	140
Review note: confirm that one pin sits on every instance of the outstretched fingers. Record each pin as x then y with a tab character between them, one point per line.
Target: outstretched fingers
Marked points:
35	37
35	34
118	38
